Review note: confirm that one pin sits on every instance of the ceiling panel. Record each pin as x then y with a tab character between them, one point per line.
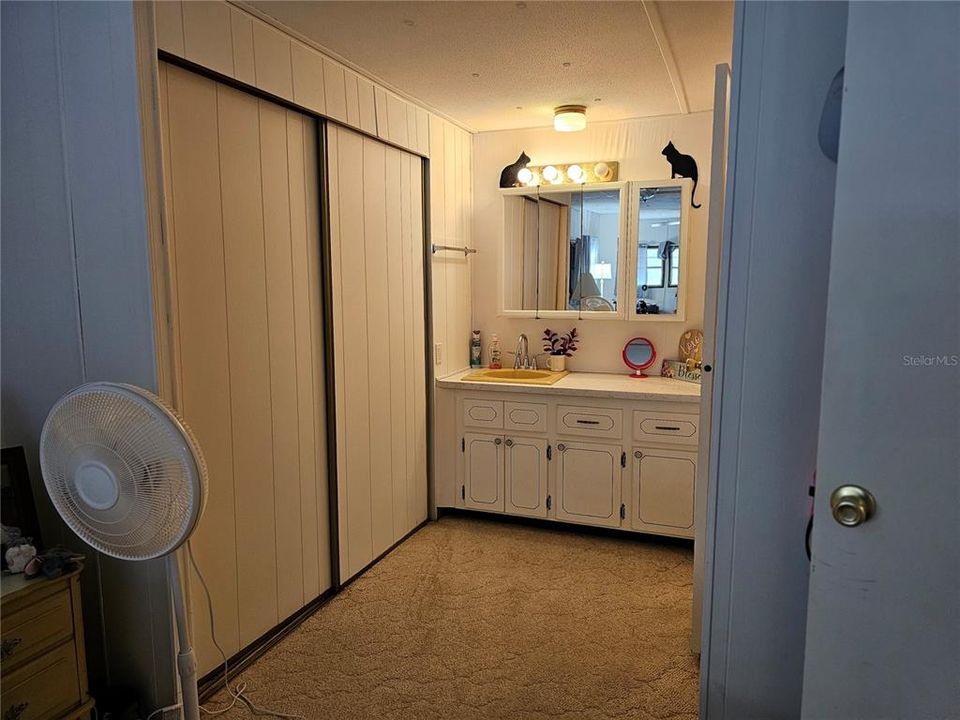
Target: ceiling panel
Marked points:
498	65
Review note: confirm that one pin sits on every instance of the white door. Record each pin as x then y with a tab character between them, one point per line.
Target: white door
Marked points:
717	262
482	472
663	491
525	473
588	483
883	622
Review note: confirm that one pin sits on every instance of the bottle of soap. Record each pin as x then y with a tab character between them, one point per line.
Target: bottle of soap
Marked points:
475	349
496	353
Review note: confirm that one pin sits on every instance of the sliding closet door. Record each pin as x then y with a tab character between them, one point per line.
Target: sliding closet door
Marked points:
241	181
376	228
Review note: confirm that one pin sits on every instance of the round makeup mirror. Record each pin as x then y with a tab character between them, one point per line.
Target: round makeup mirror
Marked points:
639	354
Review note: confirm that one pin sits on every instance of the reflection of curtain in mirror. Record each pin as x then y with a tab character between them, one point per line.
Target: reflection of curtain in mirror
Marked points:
528	256
561	291
582	249
552	229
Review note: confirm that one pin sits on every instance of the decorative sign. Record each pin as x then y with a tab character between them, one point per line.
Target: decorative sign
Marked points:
680	371
572	174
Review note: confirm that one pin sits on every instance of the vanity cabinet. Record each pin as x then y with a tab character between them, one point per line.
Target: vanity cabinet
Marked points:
664	482
588	483
585	458
482	487
525	474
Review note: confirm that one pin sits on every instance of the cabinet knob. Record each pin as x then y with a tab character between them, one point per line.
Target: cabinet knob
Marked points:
497	441
8	646
15	712
637	454
561	447
509	442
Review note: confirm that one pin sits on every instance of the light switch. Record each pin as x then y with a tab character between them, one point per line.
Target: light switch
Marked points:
437	353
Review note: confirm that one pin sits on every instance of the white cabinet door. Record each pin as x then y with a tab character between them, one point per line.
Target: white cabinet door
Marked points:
588	483
663	491
482	487
525	472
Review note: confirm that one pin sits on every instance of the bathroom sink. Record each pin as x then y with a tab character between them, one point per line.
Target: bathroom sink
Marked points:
510	375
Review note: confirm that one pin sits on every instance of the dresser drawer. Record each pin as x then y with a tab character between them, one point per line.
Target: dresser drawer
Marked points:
671	428
531	417
590	422
482	413
45	687
33	629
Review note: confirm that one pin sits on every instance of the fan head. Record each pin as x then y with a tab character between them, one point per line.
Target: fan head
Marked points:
123	470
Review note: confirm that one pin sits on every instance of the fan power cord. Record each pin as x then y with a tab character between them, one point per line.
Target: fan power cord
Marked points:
237	694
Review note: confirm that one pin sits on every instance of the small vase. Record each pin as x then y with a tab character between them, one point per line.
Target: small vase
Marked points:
558	363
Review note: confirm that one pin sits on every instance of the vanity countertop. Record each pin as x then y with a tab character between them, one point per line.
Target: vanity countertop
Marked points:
614	385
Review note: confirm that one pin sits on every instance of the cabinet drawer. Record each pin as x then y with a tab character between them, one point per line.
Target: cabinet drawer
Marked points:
525	416
35	628
482	413
592	422
674	429
43	688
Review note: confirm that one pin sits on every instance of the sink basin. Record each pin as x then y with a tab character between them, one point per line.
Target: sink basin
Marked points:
510	375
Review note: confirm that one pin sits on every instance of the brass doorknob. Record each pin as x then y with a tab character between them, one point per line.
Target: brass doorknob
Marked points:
852	505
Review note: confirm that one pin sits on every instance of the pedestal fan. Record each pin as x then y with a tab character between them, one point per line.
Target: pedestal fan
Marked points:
127	475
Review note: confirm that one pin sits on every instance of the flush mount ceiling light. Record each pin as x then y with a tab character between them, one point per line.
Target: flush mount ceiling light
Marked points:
570	118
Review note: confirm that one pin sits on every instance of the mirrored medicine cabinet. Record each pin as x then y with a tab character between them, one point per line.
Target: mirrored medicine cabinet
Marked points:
600	251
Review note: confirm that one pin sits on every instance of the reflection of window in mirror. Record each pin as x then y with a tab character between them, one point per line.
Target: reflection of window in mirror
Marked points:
658	252
594	253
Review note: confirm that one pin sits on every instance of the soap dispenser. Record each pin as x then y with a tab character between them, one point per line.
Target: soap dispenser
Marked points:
496	354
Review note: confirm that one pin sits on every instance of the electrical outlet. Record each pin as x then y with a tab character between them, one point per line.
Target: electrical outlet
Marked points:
437	353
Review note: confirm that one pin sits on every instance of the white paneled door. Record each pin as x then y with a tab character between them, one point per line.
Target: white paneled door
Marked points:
883	614
377	244
242	228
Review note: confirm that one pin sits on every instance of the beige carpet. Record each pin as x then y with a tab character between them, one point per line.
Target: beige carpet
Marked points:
473	618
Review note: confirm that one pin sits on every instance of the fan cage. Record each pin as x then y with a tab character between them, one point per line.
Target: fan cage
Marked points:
158	468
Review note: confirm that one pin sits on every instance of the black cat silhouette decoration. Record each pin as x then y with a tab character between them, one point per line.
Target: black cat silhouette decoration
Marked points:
508	176
683	166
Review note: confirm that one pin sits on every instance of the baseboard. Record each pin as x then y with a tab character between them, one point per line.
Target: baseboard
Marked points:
564	526
213	681
382	555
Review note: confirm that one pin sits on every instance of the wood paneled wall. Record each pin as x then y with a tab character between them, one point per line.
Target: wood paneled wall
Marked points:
242	188
377	236
451	223
233	42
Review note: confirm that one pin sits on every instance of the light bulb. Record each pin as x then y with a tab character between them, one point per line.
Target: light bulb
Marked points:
550	173
601	170
525	175
570	118
575	173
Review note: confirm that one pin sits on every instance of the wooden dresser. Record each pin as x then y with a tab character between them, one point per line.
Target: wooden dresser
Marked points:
43	665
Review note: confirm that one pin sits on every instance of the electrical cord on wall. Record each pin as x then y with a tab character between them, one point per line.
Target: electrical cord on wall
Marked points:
237	694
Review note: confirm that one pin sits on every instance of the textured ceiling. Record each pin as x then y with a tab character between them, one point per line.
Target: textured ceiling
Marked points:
498	65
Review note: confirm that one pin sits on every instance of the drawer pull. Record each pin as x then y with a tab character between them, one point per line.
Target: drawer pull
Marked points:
588	422
8	646
509	442
15	712
666	427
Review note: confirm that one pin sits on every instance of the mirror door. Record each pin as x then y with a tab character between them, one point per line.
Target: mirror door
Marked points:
563	254
659	229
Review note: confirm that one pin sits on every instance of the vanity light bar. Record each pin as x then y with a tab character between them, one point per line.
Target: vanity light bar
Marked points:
572	174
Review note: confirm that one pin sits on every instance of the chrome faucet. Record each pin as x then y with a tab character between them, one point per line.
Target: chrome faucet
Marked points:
522	359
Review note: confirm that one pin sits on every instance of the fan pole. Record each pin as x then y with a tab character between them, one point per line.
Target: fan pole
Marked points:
186	660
